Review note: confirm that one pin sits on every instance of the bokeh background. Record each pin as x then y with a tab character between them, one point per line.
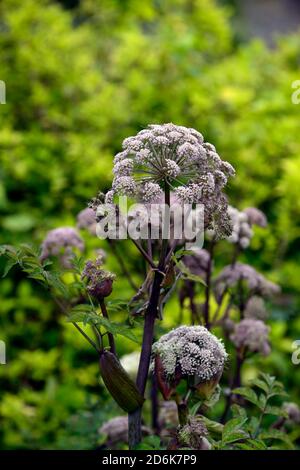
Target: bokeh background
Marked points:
80	77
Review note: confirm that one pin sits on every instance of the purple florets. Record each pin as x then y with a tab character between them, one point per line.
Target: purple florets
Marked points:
62	243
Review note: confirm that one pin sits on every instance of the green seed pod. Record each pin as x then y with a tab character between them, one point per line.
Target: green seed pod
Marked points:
119	384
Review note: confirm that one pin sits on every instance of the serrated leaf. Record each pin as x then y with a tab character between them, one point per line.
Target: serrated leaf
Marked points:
269	379
248	394
261	384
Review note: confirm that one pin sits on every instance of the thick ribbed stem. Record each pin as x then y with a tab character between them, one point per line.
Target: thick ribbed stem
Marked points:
150	316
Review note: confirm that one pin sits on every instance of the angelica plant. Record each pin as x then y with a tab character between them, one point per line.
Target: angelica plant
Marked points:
158	160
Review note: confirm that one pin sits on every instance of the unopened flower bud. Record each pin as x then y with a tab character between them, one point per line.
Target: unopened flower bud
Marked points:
99	281
119	384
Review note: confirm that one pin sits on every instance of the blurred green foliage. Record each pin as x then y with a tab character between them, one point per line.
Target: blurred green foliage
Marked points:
78	81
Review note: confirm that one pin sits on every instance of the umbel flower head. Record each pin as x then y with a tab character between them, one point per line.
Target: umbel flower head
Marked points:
197	262
62	242
256	308
99	281
253	335
255	282
293	412
191	353
177	157
242	222
86	219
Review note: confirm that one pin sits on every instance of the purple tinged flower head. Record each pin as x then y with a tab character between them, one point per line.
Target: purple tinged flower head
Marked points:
253	335
86	219
255	282
293	412
242	222
188	352
116	431
193	434
197	262
178	157
256	308
62	243
256	216
241	229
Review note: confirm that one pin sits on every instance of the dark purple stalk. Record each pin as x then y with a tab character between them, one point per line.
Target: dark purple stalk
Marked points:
148	335
235	382
154	405
208	287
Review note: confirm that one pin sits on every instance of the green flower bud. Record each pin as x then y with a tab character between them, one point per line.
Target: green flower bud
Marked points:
119	384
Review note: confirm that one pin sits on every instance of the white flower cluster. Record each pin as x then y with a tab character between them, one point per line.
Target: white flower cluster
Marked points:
253	335
61	243
191	351
130	362
231	275
242	222
176	156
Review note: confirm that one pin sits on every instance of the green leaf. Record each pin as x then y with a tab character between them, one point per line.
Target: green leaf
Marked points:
269	379
261	384
276	411
248	394
234	436
213	426
252	444
232	430
149	443
195	408
233	424
262	401
116	305
238	411
276	434
128	333
187	274
9	265
253	425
